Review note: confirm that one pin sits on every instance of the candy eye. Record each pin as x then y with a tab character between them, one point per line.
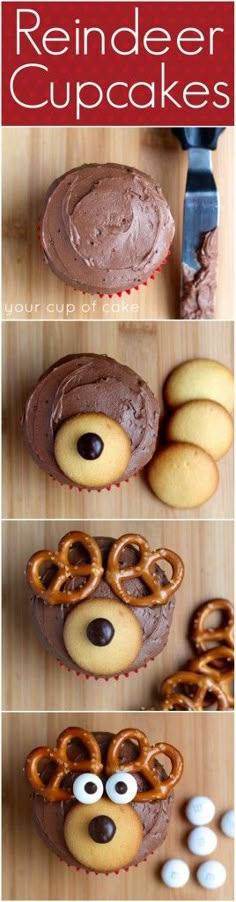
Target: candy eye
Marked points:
88	788
121	788
92	449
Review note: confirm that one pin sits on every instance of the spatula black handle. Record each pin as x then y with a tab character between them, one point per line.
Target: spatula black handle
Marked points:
197	137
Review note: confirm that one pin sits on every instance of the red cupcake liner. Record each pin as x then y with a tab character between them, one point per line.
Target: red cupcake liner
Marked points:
118	294
105	488
104	873
91	676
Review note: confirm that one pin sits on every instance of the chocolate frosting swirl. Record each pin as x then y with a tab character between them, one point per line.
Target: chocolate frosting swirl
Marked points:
155	620
198	294
90	383
155	816
105	228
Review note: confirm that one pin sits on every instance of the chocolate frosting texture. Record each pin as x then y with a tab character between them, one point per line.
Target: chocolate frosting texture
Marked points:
155	816
90	383
105	228
199	287
155	620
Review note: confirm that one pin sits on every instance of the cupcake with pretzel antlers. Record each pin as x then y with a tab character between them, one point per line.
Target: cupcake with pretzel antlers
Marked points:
103	606
91	422
103	802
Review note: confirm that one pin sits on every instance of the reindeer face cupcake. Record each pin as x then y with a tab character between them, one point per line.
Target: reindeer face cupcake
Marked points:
91	422
102	802
103	606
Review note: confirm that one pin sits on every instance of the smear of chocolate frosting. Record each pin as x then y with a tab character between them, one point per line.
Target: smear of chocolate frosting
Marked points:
105	228
198	293
155	816
155	620
90	383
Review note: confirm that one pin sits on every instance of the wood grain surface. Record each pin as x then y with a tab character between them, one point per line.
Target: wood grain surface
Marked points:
152	350
38	874
32	678
36	156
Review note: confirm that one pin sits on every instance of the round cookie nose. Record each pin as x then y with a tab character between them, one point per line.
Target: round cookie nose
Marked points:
90	446
100	631
102	829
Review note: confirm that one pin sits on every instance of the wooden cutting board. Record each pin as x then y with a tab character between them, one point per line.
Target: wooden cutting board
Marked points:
32	679
152	350
34	157
32	872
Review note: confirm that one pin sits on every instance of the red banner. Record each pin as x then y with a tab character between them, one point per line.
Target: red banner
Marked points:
146	63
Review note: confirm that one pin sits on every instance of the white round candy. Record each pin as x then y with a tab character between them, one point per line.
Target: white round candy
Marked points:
227	823
200	810
121	788
175	872
211	874
88	788
202	841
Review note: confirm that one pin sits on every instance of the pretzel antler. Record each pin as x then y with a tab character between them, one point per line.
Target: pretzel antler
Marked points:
201	635
147	754
55	593
218	664
53	791
177	702
188	690
117	575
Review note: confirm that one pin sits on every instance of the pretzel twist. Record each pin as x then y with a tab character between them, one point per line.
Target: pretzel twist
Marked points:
177	702
199	685
55	593
218	664
147	754
53	791
116	576
202	635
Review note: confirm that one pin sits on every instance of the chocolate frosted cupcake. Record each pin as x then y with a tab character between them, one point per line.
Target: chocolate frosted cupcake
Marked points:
91	422
105	228
102	606
102	802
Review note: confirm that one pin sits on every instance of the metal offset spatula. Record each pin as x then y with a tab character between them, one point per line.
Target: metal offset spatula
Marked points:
201	217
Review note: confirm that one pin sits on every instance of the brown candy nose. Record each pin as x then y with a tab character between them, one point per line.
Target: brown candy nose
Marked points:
90	446
102	829
100	631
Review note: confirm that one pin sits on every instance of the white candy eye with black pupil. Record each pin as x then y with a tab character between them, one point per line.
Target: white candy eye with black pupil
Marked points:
88	789
121	788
